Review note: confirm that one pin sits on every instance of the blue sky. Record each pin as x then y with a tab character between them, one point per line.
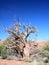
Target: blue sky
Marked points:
33	12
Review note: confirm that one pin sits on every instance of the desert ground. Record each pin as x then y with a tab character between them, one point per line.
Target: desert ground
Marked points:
13	62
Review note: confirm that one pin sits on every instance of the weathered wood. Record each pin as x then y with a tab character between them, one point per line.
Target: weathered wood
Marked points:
19	36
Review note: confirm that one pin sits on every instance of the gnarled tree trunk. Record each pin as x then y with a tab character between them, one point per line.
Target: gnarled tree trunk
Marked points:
19	38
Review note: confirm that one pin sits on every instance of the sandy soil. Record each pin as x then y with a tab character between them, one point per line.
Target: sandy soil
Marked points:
13	62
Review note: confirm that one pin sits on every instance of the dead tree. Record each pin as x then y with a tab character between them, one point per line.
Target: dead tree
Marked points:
19	37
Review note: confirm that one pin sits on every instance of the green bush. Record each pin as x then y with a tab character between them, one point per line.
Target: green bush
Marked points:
46	53
9	58
46	47
45	60
26	59
3	51
0	50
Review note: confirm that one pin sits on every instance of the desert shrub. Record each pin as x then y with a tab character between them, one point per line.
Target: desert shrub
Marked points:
41	63
35	62
46	47
46	53
11	57
0	49
45	60
35	51
8	42
26	59
3	51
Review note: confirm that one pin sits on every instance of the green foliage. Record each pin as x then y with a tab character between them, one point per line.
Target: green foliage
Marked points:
45	60
9	58
0	50
46	47
8	41
46	53
26	59
3	51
